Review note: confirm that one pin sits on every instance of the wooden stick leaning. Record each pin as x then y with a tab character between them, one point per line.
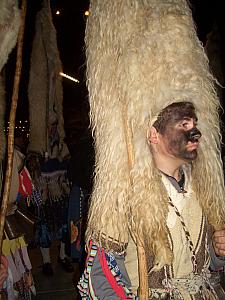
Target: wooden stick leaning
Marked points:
12	123
142	261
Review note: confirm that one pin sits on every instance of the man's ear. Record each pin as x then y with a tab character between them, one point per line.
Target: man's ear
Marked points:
153	136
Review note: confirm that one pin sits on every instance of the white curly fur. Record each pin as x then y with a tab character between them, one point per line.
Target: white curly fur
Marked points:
141	56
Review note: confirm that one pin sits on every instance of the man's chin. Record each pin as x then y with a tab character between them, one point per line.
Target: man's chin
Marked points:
188	156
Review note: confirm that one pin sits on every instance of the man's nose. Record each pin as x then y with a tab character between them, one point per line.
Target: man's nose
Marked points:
194	135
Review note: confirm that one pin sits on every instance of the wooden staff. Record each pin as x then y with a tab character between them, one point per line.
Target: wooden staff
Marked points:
143	293
12	123
142	261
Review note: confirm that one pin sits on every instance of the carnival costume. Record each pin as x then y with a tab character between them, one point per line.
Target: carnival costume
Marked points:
143	56
47	149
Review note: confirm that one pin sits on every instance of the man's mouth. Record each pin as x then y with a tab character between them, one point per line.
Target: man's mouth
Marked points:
192	146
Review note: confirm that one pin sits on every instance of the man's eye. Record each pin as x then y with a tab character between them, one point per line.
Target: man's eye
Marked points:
184	124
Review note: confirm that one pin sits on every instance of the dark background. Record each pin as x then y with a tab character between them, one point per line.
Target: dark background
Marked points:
70	26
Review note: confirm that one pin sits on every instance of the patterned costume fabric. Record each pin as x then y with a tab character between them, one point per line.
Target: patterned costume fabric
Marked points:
19	264
54	190
109	267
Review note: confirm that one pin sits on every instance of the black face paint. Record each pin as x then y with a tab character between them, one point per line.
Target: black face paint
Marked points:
178	139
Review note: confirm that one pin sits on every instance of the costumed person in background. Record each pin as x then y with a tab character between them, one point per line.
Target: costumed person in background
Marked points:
80	174
17	228
156	221
15	272
47	149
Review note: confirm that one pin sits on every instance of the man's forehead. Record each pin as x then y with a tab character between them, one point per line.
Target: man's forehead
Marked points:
180	117
174	113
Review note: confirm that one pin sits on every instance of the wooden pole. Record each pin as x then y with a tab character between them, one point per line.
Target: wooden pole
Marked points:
143	293
12	123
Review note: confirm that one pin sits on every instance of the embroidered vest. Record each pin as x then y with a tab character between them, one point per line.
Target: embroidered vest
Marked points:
188	277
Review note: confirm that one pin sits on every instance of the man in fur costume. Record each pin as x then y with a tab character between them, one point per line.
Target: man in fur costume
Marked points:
158	198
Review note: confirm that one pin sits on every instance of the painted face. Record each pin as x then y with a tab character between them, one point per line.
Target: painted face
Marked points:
181	139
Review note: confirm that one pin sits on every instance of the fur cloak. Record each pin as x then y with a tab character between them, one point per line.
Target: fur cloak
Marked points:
45	90
142	55
9	28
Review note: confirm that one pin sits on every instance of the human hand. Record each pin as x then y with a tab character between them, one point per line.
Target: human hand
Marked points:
3	271
218	240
